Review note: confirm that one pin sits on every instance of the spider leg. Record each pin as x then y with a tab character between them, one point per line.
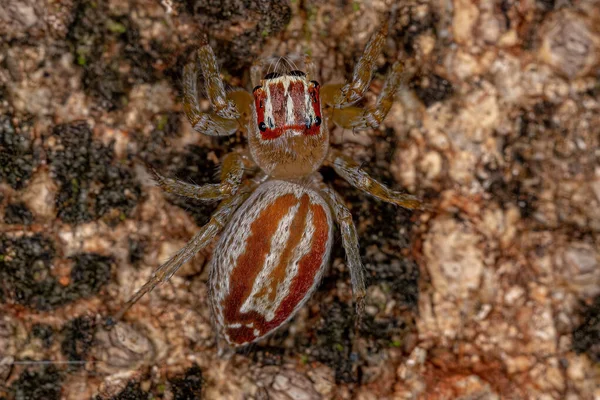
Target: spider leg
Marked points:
340	96
200	240
215	89
229	111
329	92
357	118
243	102
353	174
350	243
232	172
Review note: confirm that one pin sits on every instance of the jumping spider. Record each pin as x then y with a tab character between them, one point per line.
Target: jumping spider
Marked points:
277	226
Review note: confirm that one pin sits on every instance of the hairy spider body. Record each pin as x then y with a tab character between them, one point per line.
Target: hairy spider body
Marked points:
277	226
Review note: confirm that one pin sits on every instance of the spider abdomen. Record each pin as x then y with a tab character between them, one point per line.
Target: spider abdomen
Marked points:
269	260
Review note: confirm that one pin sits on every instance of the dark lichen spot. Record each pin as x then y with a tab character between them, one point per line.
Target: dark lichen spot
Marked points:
43	332
78	338
18	213
512	191
381	333
546	5
336	334
42	384
400	277
382	244
91	183
108	75
265	354
169	124
519	181
334	342
89	274
586	338
26	274
270	17
188	386
136	251
530	32
132	391
17	159
152	147
431	88
410	24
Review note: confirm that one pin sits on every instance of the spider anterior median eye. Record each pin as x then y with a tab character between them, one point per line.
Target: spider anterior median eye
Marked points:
262	126
317	121
315	83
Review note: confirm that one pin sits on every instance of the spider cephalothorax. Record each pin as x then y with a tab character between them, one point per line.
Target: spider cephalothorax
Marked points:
276	215
288	137
287	105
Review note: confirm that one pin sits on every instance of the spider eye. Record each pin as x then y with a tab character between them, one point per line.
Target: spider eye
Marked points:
315	83
256	88
317	121
262	126
272	75
296	73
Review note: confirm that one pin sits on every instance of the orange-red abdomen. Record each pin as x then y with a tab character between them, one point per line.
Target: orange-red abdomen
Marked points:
269	260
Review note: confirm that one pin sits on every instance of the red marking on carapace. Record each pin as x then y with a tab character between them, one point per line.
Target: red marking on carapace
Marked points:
244	274
259	104
278	98
275	133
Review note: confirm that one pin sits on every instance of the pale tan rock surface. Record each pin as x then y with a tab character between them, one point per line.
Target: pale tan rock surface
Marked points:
493	293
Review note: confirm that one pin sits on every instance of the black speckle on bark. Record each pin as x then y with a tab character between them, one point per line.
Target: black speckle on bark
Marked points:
78	338
42	384
91	183
26	274
18	213
188	386
586	338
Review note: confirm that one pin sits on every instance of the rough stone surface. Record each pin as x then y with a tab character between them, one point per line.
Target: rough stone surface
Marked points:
491	293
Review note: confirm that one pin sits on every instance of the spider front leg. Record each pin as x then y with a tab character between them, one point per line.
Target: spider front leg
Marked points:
232	172
340	96
357	118
353	174
200	240
214	84
350	242
230	110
